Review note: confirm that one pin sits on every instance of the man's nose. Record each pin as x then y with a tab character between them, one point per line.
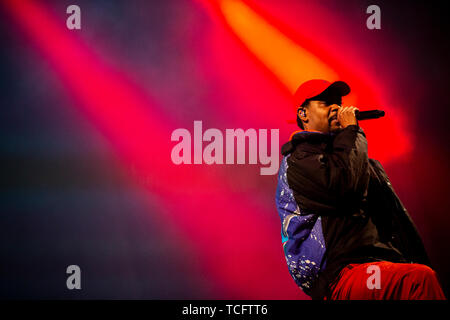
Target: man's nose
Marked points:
334	108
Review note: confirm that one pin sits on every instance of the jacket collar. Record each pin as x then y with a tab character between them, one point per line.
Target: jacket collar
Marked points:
306	136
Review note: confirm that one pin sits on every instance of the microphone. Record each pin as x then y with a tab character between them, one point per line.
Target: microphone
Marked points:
370	114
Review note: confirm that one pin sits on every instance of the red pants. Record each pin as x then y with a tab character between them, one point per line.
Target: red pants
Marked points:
387	281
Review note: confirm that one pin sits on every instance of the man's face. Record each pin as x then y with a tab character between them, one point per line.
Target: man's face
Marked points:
322	116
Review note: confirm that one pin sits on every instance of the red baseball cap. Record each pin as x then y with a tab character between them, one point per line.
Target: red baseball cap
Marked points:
318	88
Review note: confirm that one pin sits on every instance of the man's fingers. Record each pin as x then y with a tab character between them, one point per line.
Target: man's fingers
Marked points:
350	109
347	116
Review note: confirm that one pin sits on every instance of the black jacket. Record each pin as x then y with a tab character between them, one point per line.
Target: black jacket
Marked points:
362	218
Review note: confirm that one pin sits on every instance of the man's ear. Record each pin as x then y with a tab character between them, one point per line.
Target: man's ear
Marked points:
302	114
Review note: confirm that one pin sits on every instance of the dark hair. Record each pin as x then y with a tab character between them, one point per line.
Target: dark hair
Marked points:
299	121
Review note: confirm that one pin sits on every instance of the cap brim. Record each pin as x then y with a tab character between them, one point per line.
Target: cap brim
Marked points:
337	88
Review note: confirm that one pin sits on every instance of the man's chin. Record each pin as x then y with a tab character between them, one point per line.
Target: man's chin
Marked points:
335	128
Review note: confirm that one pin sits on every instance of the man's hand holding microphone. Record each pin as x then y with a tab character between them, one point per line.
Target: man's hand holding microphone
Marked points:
346	116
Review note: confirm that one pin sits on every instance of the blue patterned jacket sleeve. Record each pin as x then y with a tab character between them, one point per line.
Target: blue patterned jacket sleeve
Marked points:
302	237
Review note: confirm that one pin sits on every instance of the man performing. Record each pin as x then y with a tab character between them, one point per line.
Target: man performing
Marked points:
345	232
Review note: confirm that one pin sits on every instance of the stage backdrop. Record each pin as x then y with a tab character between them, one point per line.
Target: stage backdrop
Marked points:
116	136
